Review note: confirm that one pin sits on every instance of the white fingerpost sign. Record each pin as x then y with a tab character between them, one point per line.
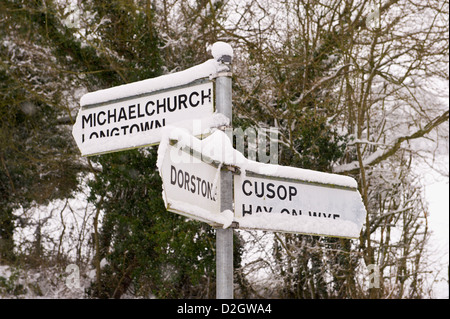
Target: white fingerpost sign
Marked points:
191	187
296	205
137	120
133	115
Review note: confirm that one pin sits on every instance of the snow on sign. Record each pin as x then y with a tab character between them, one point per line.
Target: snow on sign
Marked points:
138	120
266	196
133	115
299	201
191	184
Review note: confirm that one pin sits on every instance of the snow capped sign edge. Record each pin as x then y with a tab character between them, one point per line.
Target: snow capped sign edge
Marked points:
191	185
137	120
267	196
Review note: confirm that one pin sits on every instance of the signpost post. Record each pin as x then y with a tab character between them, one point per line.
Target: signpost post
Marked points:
224	237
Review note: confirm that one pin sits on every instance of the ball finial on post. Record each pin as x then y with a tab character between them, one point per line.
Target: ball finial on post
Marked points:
222	52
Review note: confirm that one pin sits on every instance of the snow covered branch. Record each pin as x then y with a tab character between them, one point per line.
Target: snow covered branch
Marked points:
380	155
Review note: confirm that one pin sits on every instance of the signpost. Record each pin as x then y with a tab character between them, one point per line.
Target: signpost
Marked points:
224	237
260	196
198	187
250	196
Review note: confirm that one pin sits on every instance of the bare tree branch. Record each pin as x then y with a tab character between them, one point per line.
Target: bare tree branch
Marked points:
381	155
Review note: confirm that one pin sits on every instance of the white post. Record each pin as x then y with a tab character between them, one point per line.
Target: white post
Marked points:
224	237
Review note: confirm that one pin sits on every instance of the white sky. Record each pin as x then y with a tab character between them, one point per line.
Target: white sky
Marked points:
437	195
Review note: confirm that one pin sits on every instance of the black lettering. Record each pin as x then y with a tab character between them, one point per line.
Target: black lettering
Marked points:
294	212
284	210
171	109
206	96
203	188
135	126
93	134
244	211
270	191
243	187
186	180
159	105
180	178
124	129
258	209
281	196
144	126
190	99
268	211
320	214
149	113
198	184
131	112
262	189
182	98
115	129
292	192
139	114
209	190
122	115
98	118
193	184
87	120
112	116
158	123
173	175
